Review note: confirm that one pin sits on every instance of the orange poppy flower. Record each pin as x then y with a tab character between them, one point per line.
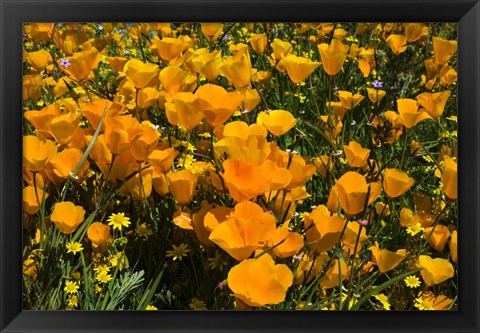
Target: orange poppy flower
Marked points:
443	50
352	189
280	49
182	185
349	100
217	104
387	260
237	69
32	84
253	150
309	268
434	103
244	229
184	109
99	234
120	132
299	68
409	114
453	246
375	95
207	64
212	30
397	43
170	48
333	56
64	163
93	111
67	217
326	230
215	216
147	97
435	271
162	159
245	181
258	42
336	273
449	178
292	242
41	32
159	182
81	64
257	282
37	153
174	80
100	153
437	236
117	63
415	31
141	74
323	164
30	201
145	144
277	122
39	59
350	237
198	224
356	155
63	127
40	119
396	182
139	186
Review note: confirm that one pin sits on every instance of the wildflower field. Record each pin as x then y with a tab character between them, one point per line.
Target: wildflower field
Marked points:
221	166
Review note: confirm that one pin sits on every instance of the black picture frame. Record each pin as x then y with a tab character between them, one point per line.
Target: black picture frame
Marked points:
14	12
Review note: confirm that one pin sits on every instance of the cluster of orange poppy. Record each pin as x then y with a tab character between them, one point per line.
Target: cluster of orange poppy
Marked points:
151	113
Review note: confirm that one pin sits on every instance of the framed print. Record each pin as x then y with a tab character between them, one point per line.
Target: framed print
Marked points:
239	166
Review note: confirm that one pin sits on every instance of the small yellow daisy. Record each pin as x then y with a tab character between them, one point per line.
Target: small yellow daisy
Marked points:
178	252
71	287
197	304
102	269
74	247
151	308
412	281
417	228
73	301
423	304
103	277
382	298
118	221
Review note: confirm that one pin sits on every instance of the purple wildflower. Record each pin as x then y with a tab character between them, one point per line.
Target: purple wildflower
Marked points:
377	84
65	62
